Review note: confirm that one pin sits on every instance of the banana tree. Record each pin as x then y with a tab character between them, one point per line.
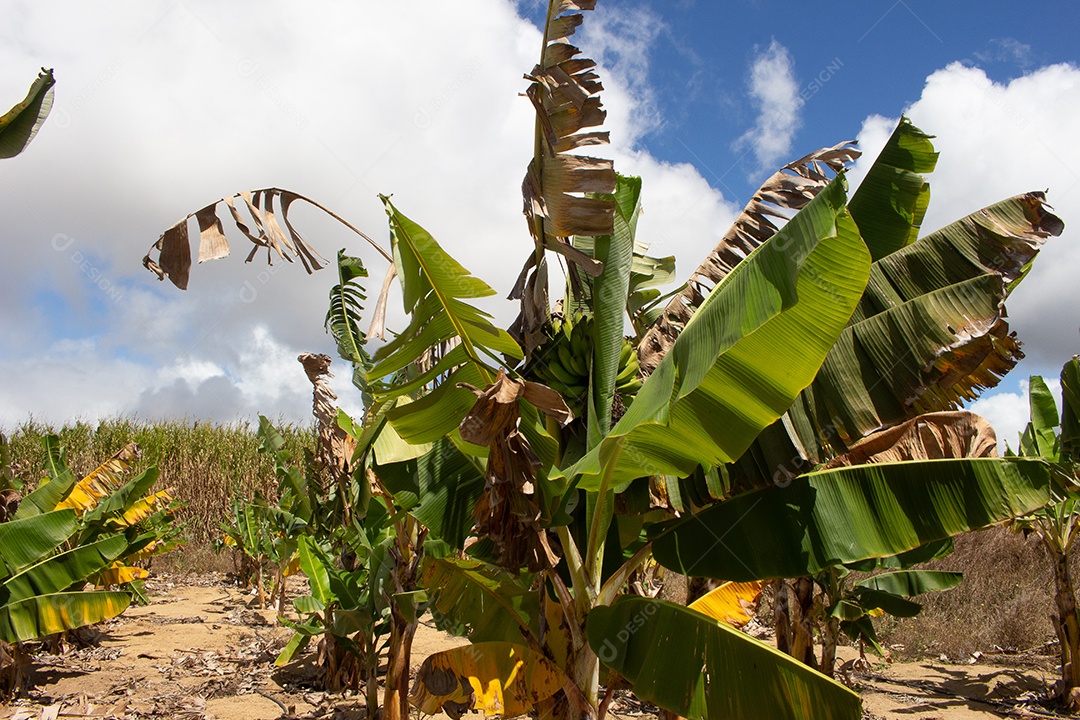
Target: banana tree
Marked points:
1057	524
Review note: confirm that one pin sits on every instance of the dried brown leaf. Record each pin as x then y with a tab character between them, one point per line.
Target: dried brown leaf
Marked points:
174	249
789	189
933	436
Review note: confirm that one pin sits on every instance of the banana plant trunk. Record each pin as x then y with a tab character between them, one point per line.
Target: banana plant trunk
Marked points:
793	619
396	696
1067	623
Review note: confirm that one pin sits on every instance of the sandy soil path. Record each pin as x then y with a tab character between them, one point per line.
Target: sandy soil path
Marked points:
200	651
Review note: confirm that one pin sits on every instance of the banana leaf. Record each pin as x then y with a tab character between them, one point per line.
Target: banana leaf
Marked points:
20	124
496	678
911	583
756	342
63	571
891	202
43	615
52	489
844	515
698	667
435	288
492	604
26	540
440	489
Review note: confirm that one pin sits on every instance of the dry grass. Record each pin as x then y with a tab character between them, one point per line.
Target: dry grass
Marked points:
1004	602
207	465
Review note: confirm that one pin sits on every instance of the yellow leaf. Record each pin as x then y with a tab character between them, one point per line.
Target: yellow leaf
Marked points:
102	482
732	603
144	508
496	678
291	569
118	574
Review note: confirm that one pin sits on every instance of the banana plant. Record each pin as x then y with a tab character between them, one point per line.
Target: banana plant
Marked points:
1057	525
741	375
107	503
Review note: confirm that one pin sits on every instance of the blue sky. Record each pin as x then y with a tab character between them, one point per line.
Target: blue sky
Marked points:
162	107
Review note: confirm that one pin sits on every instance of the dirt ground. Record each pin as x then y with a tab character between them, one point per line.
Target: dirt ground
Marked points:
199	650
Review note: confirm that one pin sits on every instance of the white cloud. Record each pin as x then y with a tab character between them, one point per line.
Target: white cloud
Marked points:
620	40
1009	412
162	109
777	98
998	140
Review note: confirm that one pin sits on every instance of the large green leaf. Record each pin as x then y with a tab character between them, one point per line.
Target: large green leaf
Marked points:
1040	438
20	124
1001	239
43	615
62	571
889	367
610	290
315	569
891	201
435	288
948	286
26	540
911	583
832	517
491	603
1070	410
698	667
440	489
754	344
789	189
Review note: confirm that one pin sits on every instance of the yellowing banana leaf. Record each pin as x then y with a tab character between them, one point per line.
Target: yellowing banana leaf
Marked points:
144	508
733	603
20	124
844	515
292	567
43	615
122	499
756	342
65	570
499	679
102	482
698	667
27	540
119	574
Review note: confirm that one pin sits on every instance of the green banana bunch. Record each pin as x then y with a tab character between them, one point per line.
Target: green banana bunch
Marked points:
563	363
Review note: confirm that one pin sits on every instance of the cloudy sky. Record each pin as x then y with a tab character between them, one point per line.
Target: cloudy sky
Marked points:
163	107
